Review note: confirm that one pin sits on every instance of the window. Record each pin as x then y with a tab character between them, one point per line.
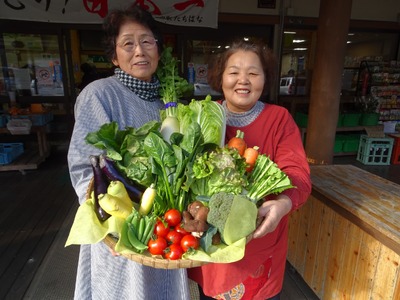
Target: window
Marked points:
31	65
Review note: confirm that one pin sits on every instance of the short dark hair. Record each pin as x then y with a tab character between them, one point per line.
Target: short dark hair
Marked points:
116	18
267	58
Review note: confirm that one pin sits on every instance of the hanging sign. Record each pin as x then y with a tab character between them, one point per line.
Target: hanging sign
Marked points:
199	13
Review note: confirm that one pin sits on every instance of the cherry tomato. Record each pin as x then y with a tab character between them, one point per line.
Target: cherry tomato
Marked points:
180	229
189	242
157	246
174	237
173	217
173	252
161	229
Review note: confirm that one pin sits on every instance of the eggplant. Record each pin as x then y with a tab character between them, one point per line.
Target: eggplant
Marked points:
100	184
109	168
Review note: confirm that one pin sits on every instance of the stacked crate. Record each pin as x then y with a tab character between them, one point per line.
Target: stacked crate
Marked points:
375	150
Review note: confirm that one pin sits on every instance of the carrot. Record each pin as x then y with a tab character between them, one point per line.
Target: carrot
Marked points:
237	142
250	155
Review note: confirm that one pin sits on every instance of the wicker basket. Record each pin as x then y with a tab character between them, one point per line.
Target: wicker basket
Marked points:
146	258
156	262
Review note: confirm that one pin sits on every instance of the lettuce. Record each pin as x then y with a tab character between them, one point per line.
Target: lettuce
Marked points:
220	170
209	114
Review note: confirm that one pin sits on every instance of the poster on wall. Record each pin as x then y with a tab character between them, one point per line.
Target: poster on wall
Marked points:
198	13
49	78
198	77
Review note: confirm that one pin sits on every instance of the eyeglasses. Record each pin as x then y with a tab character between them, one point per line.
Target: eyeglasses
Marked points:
146	43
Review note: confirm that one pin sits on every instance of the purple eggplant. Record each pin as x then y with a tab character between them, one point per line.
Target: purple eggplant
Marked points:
100	183
108	167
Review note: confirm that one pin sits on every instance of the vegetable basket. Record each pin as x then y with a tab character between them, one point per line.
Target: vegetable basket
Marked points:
146	258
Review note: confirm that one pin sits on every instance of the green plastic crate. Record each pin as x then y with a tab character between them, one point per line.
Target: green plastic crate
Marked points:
351	119
301	119
339	140
369	119
351	143
375	151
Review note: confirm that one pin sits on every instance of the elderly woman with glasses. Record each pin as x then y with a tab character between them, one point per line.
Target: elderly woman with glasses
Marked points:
130	98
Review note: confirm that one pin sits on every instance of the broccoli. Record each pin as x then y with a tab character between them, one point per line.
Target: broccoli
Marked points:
233	215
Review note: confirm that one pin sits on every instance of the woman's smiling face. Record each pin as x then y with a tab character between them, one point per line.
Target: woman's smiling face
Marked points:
242	81
140	62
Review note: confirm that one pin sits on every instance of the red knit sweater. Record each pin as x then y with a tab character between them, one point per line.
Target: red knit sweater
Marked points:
277	135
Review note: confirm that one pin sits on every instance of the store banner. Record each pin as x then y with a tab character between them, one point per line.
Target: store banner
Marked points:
199	13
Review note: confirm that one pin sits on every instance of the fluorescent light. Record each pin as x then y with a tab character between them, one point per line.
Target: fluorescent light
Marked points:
246	39
289	32
299	41
300	49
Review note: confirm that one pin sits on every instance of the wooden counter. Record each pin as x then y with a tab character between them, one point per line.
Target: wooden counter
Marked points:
345	241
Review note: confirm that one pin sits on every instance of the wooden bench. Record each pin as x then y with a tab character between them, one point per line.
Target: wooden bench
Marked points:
345	241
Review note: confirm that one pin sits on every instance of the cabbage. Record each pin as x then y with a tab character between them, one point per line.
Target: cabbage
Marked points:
209	114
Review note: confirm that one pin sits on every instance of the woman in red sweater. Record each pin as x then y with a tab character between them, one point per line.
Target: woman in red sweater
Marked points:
243	74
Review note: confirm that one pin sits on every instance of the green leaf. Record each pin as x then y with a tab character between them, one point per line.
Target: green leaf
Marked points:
209	115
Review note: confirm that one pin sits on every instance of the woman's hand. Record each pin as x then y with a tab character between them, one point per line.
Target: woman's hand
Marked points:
271	212
114	253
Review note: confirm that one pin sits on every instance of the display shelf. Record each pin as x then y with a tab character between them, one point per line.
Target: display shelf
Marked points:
31	158
381	81
303	131
360	129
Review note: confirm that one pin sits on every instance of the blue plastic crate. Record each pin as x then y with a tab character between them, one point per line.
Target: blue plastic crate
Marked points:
375	151
3	121
9	152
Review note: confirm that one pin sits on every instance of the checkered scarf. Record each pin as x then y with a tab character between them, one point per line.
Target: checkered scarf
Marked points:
148	91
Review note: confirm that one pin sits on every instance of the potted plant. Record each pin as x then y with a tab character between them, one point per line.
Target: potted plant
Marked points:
368	107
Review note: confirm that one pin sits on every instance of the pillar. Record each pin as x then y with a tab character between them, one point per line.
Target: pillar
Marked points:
333	25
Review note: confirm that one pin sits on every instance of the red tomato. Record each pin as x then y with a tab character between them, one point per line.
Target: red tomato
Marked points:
157	246
173	252
161	229
174	237
189	242
173	217
181	230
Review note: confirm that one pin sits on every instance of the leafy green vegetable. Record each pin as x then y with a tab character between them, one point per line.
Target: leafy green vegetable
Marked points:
108	138
206	238
209	114
173	86
220	170
125	147
266	179
169	162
